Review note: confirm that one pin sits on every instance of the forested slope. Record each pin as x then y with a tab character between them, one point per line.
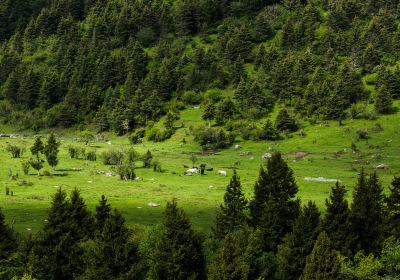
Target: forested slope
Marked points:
117	64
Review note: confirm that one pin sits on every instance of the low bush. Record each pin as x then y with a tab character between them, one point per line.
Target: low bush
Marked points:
76	152
213	138
113	157
15	151
159	135
91	156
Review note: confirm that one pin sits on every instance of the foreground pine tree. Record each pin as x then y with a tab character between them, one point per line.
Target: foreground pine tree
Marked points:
274	207
323	262
231	215
102	212
392	210
112	253
367	214
298	244
178	250
8	242
57	253
336	223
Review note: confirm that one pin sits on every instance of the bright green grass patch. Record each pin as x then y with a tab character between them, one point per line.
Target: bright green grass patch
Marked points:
327	149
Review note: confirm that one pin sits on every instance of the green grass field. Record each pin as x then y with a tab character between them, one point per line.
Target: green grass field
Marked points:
328	155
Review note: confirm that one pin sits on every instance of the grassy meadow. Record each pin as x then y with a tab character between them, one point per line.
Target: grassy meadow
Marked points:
325	152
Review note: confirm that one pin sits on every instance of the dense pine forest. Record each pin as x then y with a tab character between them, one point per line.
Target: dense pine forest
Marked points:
259	70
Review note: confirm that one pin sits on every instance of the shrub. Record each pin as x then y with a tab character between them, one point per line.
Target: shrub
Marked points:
76	152
25	167
132	156
126	171
191	97
25	184
213	138
137	135
285	122
156	166
113	157
362	133
159	135
16	151
91	156
46	173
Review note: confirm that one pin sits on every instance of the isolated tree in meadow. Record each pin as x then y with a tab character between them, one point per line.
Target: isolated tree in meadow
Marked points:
178	251
323	262
147	158
209	112
103	210
51	151
367	214
392	210
336	222
231	215
274	207
298	244
111	254
37	149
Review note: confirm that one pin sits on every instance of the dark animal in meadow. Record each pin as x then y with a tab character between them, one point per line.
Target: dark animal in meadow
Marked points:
210	169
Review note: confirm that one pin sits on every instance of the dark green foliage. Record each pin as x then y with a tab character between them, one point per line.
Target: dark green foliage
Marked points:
299	243
51	151
336	222
126	170
213	138
392	210
113	157
269	132
15	151
38	147
178	250
230	261
323	262
231	215
103	211
8	241
111	254
274	207
367	214
285	122
57	253
383	101
147	159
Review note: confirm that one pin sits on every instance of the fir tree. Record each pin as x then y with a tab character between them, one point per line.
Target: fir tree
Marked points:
209	112
111	254
231	215
51	151
367	214
178	252
284	121
298	244
383	101
323	262
102	212
274	207
36	150
8	241
392	210
147	158
336	223
269	132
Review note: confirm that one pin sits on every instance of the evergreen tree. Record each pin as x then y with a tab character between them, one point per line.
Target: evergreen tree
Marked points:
178	252
269	132
8	241
231	215
298	244
285	122
51	151
274	207
209	112
147	158
102	212
57	253
111	254
36	150
383	101
367	214
323	262
336	223
392	211
230	262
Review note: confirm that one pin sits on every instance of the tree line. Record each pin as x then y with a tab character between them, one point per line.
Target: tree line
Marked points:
271	236
118	65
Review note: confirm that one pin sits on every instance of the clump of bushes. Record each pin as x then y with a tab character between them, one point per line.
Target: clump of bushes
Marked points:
126	171
25	167
137	136
91	156
213	138
113	157
159	135
362	133
76	152
15	151
25	184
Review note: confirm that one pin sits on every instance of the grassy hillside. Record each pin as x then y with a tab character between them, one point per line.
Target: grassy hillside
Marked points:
325	152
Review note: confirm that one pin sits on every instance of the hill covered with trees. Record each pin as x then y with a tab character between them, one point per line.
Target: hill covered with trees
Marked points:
116	65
